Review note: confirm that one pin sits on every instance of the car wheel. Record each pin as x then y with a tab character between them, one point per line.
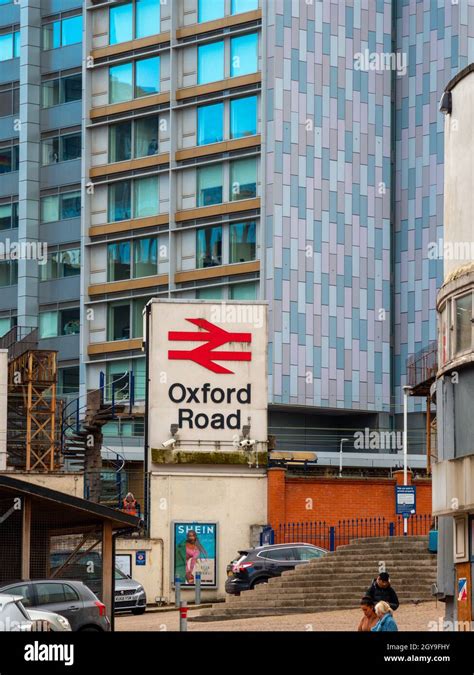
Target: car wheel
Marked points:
90	629
257	582
137	612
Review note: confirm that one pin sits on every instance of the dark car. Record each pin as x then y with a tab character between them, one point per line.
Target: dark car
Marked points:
72	599
258	565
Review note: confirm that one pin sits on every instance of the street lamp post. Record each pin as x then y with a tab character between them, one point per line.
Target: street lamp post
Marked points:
343	440
406	393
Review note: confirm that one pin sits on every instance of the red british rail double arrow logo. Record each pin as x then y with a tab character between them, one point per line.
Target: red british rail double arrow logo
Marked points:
205	355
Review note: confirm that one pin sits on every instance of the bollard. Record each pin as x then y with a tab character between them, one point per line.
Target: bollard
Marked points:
183	617
177	591
197	589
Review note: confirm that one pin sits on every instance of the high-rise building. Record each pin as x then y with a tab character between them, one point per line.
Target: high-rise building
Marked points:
285	150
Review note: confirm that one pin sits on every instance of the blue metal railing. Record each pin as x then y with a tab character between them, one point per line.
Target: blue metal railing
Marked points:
330	536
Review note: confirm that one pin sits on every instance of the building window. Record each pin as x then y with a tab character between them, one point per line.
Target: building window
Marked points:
243	179
8	216
61	148
240	6
147	18
134	80
146	199
118	261
9	46
125	319
121	83
208	10
210	123
209	293
244	55
9	159
120	141
5	325
63	32
143	253
146	136
121	23
211	62
244	291
209	246
147	77
61	206
119	321
61	264
463	323
120	201
145	257
8	273
118	379
142	135
68	380
61	90
209	185
243	117
242	242
59	322
9	101
138	306
134	20
144	203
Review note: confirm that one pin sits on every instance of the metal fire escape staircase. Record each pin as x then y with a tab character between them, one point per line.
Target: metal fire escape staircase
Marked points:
421	375
82	438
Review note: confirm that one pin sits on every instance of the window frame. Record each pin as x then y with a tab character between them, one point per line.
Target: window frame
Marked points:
60	20
133	63
134	23
463	294
60	137
133	138
132	181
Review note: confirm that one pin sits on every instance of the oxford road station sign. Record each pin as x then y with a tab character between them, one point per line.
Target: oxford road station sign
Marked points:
207	375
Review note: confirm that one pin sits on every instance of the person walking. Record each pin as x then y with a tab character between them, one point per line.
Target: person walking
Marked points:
382	591
370	618
386	621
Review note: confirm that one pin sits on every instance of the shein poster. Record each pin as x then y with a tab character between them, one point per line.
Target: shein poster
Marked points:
195	546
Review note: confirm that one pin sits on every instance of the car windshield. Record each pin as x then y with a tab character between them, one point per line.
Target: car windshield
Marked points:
119	574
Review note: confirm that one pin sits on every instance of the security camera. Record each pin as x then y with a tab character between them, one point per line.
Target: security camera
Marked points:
170	443
247	442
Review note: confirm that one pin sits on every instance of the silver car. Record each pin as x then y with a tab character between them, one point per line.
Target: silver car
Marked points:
51	620
130	596
13	615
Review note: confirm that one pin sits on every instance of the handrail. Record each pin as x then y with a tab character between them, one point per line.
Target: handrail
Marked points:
66	426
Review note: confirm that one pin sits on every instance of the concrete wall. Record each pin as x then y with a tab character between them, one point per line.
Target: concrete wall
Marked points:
235	500
459	170
149	575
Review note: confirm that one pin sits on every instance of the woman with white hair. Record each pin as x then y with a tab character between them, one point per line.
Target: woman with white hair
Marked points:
386	621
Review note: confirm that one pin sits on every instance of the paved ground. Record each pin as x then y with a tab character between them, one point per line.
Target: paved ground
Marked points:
408	617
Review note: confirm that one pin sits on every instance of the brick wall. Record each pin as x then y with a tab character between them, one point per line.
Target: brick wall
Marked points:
307	499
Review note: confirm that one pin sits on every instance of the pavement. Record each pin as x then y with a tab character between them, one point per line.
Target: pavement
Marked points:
408	617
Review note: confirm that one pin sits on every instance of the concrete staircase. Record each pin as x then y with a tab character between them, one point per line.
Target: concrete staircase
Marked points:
338	580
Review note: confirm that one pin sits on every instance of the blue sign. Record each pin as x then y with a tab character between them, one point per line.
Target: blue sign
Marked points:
140	558
405	500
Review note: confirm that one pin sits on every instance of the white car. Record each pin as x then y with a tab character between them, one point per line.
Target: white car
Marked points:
50	620
13	616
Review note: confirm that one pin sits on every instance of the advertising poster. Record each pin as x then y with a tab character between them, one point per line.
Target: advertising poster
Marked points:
195	550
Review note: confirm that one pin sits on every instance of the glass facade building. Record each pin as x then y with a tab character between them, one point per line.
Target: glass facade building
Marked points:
232	149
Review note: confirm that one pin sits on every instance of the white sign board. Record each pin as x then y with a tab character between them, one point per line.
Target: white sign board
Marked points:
208	373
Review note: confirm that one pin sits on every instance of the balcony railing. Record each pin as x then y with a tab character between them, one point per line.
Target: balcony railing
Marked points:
422	368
